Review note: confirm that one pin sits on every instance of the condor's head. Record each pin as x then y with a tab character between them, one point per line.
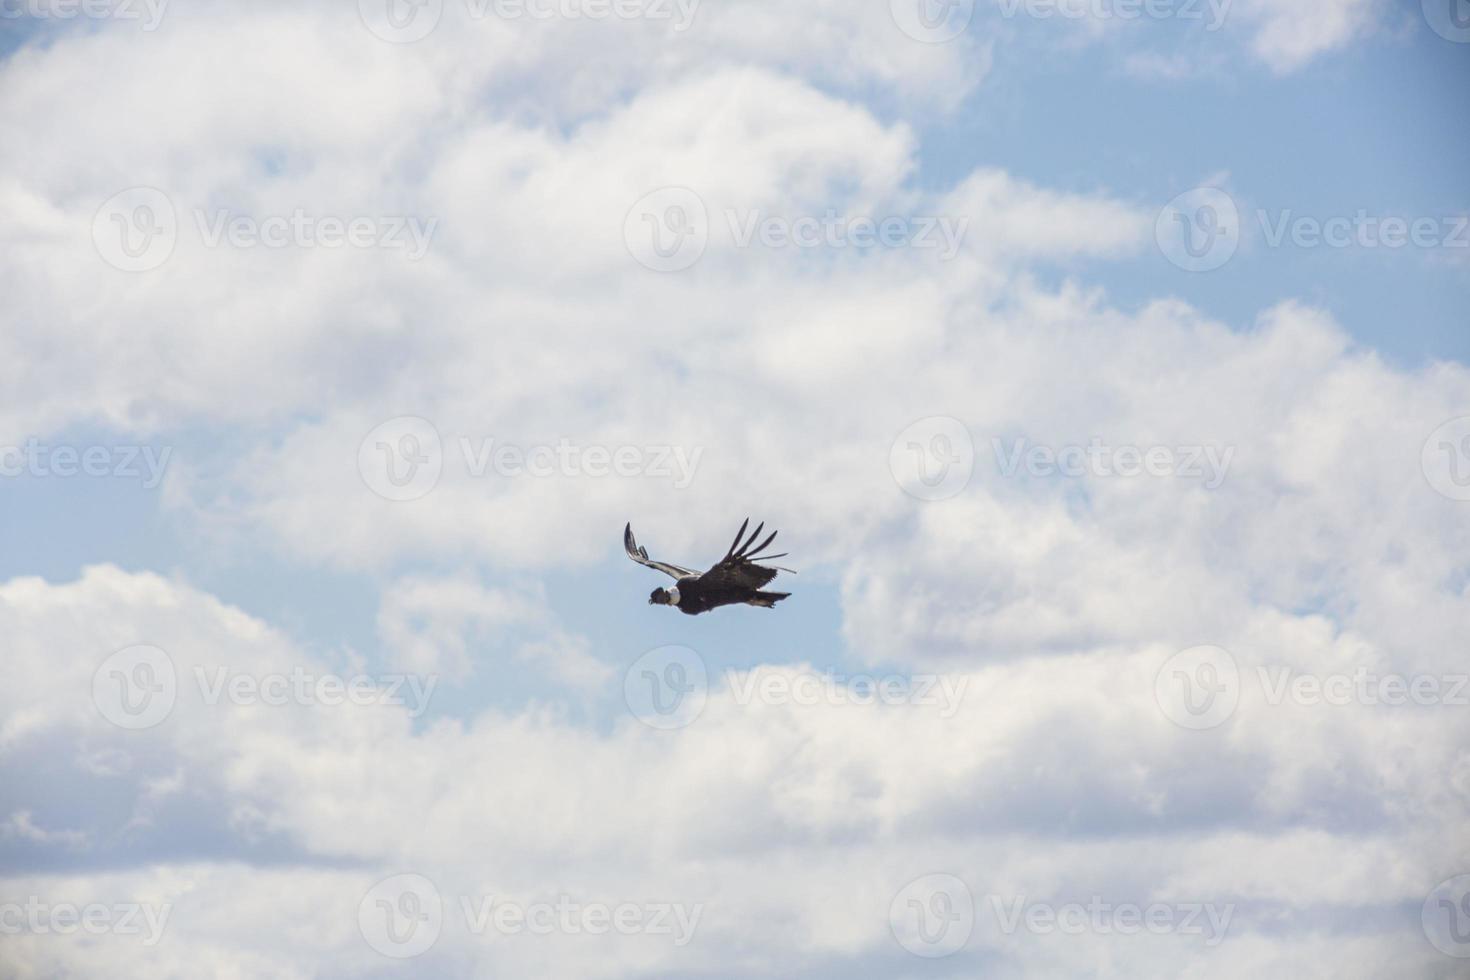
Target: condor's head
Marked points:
664	597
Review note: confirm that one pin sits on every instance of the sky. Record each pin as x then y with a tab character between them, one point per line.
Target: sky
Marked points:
1104	365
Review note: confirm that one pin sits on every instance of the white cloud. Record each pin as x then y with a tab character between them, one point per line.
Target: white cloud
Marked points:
844	804
442	625
1288	36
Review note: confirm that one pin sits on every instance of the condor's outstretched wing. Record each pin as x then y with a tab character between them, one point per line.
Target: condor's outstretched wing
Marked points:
640	555
738	568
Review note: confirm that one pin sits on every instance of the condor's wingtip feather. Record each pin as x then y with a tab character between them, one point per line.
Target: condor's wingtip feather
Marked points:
753	554
745	548
738	535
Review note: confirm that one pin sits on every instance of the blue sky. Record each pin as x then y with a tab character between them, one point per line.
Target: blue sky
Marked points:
1366	128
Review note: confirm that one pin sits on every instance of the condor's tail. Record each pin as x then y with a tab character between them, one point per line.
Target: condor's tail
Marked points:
767	600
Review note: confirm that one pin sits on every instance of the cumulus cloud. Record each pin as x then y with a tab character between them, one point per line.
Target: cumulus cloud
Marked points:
845	802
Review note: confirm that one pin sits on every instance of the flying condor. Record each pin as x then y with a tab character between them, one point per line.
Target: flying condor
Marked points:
736	579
